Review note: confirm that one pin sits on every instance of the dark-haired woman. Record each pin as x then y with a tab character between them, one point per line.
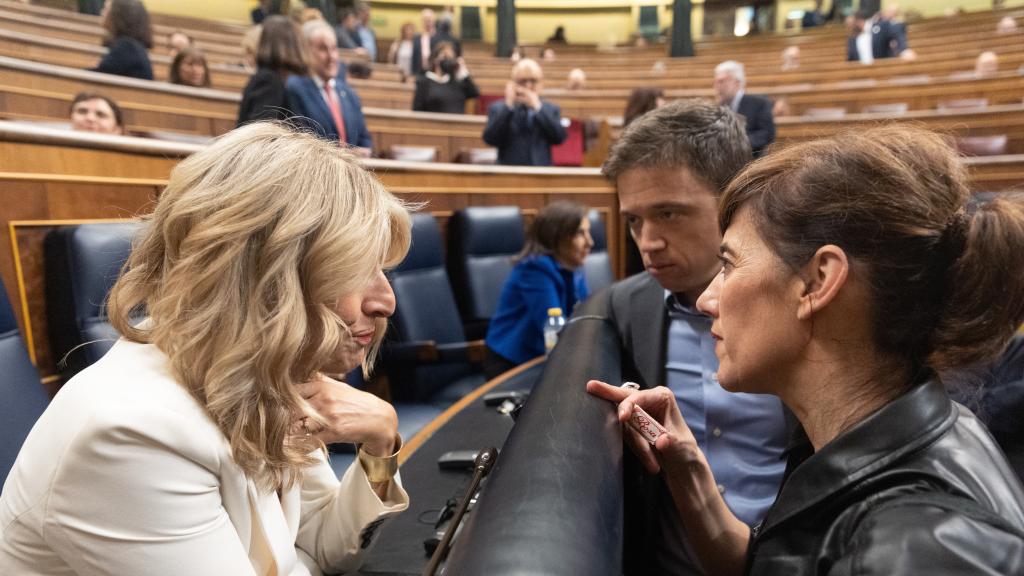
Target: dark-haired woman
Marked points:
548	274
278	56
189	68
854	281
128	39
446	86
642	101
91	112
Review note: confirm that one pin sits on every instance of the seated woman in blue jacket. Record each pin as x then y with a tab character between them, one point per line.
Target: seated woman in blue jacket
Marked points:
548	274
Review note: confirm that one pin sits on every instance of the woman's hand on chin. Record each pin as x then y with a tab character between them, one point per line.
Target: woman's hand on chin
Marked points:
351	415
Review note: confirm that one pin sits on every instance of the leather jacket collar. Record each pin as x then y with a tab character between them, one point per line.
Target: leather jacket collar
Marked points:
909	423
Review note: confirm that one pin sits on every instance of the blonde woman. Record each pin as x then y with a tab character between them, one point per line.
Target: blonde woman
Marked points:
195	446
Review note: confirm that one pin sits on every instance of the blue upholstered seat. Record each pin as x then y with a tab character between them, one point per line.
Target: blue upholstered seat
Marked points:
426	356
22	396
481	243
598	266
82	264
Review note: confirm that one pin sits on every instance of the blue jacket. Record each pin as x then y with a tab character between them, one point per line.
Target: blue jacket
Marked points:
535	284
305	100
524	137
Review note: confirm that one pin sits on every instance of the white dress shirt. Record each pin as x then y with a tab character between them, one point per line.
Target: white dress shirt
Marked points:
864	50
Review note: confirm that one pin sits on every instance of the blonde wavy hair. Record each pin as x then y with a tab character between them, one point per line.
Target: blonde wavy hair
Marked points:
250	245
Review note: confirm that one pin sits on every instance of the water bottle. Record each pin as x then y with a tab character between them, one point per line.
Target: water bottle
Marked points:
555	324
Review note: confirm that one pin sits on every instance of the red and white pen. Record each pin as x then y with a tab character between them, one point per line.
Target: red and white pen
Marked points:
641	421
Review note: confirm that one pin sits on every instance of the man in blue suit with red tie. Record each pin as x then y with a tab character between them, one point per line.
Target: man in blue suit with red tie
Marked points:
325	103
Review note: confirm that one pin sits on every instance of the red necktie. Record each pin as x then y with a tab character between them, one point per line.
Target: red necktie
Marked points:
335	106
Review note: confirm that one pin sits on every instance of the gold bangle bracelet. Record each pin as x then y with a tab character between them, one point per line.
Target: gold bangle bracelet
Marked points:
380	469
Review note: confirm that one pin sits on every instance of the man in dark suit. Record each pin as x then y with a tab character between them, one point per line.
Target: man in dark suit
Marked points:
669	167
730	82
325	103
872	38
423	42
813	18
522	126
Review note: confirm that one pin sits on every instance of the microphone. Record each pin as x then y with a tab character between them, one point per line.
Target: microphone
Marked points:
481	467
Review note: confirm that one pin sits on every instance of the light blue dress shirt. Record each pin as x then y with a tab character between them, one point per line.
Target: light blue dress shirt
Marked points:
368	40
742	435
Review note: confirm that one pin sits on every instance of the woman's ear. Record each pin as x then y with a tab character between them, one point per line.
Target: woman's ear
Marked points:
824	276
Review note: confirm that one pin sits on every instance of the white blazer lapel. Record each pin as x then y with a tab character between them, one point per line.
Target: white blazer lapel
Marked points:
272	545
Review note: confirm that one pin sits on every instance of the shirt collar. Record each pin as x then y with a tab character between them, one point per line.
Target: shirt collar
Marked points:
676	307
443	79
320	82
735	104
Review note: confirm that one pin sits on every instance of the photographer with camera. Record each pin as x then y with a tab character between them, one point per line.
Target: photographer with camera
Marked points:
523	126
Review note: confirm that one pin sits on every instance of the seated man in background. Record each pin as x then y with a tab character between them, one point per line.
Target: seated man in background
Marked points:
872	38
669	167
987	64
730	82
522	126
177	42
790	58
577	79
326	105
92	112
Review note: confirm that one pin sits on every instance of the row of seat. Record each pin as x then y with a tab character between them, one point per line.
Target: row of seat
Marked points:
22	393
433	351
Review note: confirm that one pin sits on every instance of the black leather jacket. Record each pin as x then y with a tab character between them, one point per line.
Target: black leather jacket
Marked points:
917	488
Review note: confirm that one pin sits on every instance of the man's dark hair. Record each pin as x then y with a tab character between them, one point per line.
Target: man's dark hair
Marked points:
707	139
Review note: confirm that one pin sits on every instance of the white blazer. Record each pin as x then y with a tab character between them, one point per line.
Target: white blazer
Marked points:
125	473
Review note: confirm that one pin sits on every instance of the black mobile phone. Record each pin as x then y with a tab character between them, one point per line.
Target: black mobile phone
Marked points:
457	460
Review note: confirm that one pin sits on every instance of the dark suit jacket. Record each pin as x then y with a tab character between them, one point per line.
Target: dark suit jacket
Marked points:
760	123
126	57
654	542
449	98
887	41
519	144
308	104
264	98
417	54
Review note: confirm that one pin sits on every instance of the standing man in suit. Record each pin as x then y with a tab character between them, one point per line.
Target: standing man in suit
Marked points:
669	168
730	84
522	126
422	42
326	104
367	38
872	38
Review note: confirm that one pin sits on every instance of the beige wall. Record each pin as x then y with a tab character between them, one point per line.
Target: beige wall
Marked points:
585	21
234	10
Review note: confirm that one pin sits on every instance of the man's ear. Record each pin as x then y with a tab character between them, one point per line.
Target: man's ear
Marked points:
823	277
